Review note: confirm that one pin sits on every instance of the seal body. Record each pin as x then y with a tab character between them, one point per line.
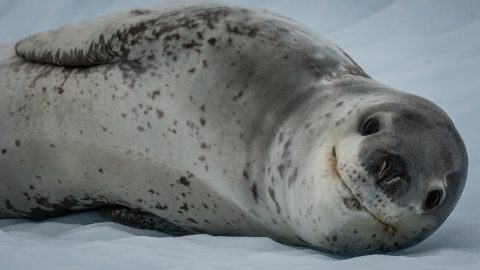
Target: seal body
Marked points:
221	120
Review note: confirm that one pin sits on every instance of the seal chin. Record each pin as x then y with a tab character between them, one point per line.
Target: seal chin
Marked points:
354	202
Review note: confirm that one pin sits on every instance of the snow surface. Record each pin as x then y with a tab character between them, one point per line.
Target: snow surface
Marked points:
430	48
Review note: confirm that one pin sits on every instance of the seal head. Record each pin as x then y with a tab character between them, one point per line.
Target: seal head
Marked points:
396	167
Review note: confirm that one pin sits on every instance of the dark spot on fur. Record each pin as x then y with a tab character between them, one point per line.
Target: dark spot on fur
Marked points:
184	207
60	90
155	93
18	143
192	70
203	122
254	192
239	95
191	45
245	174
151	57
242	30
4	151
281	170
212	41
183	180
192	220
26	195
100	170
174	36
140	128
271	192
160	114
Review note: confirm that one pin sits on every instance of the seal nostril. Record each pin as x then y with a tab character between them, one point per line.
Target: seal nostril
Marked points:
387	173
384	169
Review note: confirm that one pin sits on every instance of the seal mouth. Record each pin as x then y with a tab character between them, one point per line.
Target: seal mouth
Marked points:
388	228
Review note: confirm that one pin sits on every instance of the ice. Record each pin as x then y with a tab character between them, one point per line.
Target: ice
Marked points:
430	48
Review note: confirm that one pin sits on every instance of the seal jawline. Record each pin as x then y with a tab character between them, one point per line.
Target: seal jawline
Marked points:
387	228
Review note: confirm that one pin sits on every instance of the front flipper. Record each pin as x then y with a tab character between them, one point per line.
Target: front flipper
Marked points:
120	37
142	220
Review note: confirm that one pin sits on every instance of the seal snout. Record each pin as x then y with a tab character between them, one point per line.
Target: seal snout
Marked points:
388	176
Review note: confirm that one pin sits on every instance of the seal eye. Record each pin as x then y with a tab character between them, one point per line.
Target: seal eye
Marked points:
433	199
370	126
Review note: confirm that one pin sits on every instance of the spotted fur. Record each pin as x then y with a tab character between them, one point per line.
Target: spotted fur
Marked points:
217	119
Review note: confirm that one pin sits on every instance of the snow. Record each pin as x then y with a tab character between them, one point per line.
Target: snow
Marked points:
430	48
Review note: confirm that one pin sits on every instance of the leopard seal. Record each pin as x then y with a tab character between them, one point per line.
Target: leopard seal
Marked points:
209	118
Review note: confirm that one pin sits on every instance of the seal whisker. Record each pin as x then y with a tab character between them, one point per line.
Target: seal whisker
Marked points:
357	199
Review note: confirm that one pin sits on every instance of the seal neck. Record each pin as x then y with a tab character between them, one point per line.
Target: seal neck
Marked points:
282	149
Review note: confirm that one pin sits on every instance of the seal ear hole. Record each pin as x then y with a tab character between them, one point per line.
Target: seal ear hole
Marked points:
433	199
370	126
